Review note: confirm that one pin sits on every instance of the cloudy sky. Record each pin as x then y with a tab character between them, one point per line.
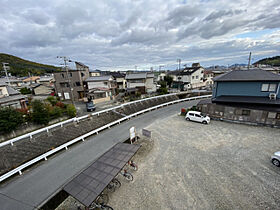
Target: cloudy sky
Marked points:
122	34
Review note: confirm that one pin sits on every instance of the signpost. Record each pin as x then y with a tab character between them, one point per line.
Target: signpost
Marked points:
132	134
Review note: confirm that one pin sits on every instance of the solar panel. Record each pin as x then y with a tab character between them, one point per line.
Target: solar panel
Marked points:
86	186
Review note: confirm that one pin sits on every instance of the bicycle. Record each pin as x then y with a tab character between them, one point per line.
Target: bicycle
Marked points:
102	198
133	165
127	175
115	183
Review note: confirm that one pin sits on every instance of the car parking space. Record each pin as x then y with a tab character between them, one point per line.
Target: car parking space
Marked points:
196	166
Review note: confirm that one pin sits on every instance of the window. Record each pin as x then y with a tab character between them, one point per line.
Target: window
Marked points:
271	115
70	74
1	92
278	116
196	77
191	114
59	94
192	77
245	112
62	75
272	87
197	115
269	87
78	84
82	74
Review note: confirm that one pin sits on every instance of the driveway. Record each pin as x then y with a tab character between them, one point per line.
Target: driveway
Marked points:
196	166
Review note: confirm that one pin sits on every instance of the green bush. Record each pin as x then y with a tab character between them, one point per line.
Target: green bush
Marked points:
55	112
162	90
52	100
71	110
40	114
10	119
25	91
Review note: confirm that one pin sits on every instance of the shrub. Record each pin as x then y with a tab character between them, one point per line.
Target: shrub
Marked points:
55	112
40	114
60	104
10	119
71	110
52	100
25	91
25	114
162	90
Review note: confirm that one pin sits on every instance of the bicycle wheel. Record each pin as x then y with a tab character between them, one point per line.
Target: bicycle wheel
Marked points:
117	183
128	176
111	187
107	207
102	199
134	166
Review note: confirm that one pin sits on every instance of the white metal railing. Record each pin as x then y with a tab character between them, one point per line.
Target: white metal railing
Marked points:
82	137
60	124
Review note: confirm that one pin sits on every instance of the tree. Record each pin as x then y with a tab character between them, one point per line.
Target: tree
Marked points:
52	100
10	119
168	80
25	91
40	114
71	110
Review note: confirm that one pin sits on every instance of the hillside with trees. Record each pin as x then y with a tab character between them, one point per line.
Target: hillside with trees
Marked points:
20	67
273	61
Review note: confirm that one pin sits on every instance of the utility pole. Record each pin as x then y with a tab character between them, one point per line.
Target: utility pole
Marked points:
249	61
67	76
179	63
5	68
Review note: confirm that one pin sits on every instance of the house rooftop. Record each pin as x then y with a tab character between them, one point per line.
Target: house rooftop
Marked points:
247	75
100	78
139	75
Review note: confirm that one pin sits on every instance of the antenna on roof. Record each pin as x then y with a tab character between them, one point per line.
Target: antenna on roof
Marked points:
249	61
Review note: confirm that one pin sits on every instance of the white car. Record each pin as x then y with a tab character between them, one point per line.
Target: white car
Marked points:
197	117
275	159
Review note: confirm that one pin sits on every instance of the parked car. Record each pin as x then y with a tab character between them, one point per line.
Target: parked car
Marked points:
275	159
197	117
90	106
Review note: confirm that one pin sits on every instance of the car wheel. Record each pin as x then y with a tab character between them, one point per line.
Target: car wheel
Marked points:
187	119
204	122
276	162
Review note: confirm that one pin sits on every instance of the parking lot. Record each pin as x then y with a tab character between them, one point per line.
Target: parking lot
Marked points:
194	166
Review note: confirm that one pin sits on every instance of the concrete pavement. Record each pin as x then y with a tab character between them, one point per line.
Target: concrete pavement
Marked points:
36	186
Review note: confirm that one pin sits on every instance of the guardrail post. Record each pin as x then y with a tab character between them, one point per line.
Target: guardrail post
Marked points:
45	158
83	139
20	173
66	148
12	143
47	130
61	125
98	114
96	132
30	136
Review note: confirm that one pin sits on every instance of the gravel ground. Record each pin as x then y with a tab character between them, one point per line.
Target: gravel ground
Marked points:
188	165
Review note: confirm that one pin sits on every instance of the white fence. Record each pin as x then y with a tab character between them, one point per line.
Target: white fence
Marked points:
31	134
96	131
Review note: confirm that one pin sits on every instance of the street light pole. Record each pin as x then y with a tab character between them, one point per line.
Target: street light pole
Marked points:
6	72
67	76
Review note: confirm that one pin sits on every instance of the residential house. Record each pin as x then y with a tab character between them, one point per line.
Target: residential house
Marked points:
30	80
101	88
119	78
47	81
208	78
247	96
95	73
10	97
12	81
189	77
143	82
81	66
252	86
42	90
73	83
160	76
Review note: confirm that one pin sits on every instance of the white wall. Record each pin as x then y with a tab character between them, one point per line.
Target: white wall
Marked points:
97	84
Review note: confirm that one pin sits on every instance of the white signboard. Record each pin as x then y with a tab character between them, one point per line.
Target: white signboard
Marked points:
132	133
66	96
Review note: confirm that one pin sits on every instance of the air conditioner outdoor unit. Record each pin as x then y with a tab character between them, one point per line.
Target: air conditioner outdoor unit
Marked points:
272	96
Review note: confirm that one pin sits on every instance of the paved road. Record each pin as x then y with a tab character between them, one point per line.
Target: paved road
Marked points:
37	185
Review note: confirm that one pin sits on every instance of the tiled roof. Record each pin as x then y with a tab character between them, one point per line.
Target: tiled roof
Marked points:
247	75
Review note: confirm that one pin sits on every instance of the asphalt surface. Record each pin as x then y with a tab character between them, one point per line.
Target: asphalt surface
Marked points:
39	184
195	166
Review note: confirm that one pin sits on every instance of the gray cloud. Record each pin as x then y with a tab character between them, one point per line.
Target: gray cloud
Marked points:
121	34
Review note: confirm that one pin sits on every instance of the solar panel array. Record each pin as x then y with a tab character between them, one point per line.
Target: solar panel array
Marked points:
92	181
